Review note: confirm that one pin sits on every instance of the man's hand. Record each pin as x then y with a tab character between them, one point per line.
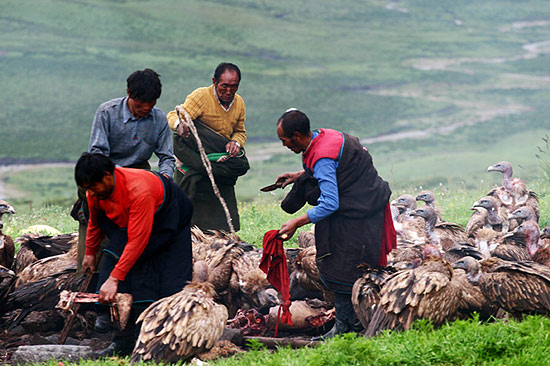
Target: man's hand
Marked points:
287	178
233	148
108	290
88	264
183	130
289	228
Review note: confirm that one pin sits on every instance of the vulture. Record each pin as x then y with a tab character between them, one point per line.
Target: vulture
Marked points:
42	294
507	246
306	238
407	255
477	221
249	286
497	215
218	252
7	277
444	235
406	203
178	327
523	213
516	287
545	236
408	228
48	266
513	192
365	294
7	246
538	253
428	197
426	292
306	275
33	247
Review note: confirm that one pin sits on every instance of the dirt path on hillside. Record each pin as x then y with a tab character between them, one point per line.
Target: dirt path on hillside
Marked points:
7	190
472	111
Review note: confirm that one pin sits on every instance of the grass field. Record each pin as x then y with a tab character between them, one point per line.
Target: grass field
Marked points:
466	342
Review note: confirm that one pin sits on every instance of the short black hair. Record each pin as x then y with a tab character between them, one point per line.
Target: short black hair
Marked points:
294	121
144	85
91	168
223	67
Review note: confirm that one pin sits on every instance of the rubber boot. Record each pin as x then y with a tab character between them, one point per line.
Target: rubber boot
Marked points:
345	317
124	340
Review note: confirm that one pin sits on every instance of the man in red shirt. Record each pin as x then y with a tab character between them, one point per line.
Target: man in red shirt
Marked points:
146	217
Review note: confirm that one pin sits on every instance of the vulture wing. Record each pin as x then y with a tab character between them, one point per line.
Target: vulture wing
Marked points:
180	326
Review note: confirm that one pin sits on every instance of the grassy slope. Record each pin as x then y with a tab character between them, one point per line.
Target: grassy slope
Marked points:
348	64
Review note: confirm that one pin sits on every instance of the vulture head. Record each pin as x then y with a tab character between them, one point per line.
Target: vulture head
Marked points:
489	203
504	167
470	266
524	213
427	213
406	202
545	234
5	208
532	235
426	196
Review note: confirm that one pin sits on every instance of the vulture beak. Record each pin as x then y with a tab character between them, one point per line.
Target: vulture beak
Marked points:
492	168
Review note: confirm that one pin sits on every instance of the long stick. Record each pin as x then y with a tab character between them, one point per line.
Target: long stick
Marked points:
189	123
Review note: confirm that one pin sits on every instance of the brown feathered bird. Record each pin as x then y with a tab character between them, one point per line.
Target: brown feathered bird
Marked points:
497	215
428	197
7	246
516	287
506	246
249	285
39	295
477	221
306	274
408	228
523	213
538	253
426	292
48	266
444	235
33	247
365	294
306	238
7	277
545	237
218	251
178	327
513	192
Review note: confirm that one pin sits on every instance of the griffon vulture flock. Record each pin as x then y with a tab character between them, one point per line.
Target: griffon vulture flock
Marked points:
497	266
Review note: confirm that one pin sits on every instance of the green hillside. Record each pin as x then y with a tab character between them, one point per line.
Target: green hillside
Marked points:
467	82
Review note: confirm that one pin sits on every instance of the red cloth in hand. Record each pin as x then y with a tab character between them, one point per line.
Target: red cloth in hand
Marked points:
389	238
273	263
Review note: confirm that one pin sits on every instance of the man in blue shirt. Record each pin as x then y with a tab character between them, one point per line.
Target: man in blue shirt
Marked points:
129	130
352	216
